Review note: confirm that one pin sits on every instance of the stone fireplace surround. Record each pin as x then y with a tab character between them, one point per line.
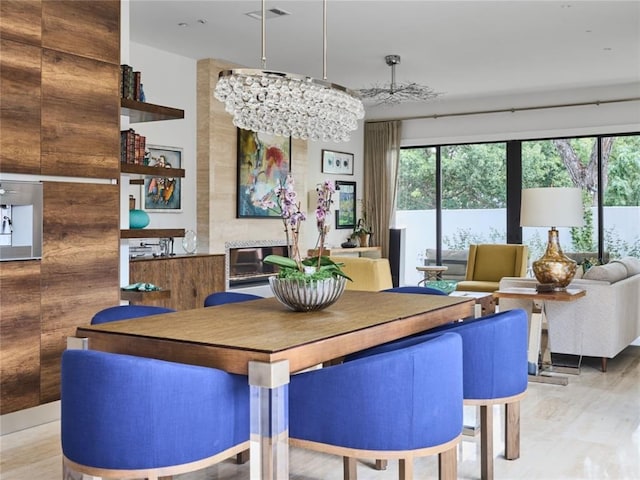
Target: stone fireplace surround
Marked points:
243	262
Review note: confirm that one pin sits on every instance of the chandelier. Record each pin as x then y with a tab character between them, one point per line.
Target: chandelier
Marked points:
397	92
286	104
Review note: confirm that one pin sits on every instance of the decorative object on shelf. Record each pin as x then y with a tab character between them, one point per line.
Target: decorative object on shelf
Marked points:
163	193
362	232
394	93
189	242
138	219
349	244
302	296
312	272
142	287
346	212
288	104
264	161
337	163
552	207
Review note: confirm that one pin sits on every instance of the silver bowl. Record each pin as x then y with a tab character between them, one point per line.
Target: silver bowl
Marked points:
303	296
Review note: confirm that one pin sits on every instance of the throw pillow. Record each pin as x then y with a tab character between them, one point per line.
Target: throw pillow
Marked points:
611	272
632	264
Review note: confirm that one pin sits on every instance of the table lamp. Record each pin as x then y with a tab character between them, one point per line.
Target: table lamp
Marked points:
552	207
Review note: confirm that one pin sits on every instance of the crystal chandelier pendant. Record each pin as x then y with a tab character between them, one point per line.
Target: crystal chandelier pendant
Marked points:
287	104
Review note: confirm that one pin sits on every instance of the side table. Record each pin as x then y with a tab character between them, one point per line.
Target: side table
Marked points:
431	272
539	355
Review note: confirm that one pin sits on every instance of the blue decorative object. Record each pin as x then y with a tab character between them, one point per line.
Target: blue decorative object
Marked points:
138	218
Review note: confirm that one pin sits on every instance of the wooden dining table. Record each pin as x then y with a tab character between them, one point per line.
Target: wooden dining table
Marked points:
267	342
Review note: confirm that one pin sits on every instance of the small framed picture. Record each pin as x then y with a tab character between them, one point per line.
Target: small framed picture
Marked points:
163	194
346	212
337	163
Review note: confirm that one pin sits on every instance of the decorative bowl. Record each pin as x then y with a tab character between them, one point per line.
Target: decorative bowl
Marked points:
447	286
301	296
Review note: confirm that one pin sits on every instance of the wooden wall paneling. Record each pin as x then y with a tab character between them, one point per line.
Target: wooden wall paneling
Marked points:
20	92
88	29
80	116
157	272
19	335
79	268
21	21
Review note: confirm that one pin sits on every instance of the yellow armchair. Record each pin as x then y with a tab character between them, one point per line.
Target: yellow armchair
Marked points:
488	263
369	274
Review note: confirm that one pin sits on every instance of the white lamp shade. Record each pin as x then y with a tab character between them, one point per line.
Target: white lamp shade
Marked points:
551	207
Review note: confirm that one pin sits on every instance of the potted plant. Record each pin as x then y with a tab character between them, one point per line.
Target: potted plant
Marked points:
311	283
362	232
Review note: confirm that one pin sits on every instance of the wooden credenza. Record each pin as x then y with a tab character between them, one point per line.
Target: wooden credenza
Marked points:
190	278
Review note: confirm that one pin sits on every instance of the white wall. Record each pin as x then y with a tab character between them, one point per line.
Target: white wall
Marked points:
170	80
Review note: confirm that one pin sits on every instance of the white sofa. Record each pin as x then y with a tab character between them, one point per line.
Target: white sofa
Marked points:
602	323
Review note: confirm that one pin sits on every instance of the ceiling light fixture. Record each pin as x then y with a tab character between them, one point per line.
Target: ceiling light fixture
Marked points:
288	104
397	92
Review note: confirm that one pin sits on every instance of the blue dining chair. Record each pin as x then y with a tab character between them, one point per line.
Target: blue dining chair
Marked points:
414	289
413	408
495	373
124	312
220	298
132	417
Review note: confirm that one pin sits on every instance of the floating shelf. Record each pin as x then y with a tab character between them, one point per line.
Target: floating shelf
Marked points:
153	171
152	233
148	112
138	296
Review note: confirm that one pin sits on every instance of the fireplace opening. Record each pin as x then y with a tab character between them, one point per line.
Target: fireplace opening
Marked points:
246	266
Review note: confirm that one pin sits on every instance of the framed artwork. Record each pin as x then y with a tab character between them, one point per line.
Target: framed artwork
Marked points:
163	194
263	162
337	163
346	212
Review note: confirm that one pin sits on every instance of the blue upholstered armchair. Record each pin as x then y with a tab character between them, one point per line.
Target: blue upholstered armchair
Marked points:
124	312
220	298
413	408
495	372
148	417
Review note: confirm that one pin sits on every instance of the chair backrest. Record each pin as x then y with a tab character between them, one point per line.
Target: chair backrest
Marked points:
220	298
124	312
491	262
400	400
367	274
494	353
415	289
126	412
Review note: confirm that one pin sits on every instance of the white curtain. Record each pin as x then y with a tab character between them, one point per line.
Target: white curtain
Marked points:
381	158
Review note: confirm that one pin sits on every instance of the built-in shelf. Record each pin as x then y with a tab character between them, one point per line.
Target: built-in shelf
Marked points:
148	112
152	233
153	171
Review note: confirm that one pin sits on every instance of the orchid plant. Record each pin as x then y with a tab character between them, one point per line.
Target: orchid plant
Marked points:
284	200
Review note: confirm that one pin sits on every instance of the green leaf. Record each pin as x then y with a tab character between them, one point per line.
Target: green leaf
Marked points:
280	261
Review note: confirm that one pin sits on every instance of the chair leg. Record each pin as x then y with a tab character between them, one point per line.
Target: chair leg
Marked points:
350	465
242	457
381	464
69	474
486	442
512	430
603	364
405	469
448	464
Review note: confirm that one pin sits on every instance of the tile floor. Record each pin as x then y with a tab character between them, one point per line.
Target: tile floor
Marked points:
589	429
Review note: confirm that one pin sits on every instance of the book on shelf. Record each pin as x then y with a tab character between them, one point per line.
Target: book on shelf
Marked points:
132	147
130	83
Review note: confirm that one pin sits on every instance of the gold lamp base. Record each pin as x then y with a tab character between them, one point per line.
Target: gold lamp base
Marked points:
554	267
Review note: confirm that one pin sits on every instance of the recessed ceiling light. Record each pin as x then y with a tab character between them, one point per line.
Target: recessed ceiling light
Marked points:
607	49
183	24
202	21
271	13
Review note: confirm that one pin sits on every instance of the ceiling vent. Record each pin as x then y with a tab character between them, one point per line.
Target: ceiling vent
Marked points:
271	13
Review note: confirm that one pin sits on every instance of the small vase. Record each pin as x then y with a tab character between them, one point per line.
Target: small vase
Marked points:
364	239
301	296
138	219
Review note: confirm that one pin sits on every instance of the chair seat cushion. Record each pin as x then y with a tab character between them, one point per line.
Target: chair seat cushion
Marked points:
477	286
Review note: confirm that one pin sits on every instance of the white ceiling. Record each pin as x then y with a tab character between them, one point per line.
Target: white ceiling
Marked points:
463	49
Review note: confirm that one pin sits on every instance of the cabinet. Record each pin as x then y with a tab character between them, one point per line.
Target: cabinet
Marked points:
190	278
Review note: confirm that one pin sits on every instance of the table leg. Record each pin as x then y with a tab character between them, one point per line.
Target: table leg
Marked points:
269	443
539	355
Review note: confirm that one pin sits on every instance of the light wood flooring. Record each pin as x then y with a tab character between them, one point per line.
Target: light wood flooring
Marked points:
589	429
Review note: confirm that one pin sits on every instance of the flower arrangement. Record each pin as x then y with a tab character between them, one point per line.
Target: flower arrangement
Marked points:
283	199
